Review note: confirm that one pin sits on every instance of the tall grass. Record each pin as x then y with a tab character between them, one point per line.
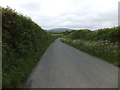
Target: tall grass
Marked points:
103	49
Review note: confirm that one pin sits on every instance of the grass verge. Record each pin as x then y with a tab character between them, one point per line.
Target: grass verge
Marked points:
16	76
102	49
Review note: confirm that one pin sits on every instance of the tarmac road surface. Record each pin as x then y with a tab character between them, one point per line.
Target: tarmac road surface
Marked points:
63	66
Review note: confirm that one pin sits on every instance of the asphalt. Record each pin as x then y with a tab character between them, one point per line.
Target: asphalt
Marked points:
63	66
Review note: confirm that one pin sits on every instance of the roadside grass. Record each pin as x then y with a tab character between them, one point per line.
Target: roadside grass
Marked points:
17	75
103	49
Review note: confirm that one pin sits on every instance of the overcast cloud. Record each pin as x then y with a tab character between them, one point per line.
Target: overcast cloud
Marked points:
74	14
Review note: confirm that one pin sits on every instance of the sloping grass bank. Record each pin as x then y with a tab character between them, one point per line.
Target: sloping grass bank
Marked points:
102	49
23	44
103	43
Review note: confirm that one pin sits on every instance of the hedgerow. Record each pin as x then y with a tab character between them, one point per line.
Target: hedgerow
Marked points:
23	43
103	43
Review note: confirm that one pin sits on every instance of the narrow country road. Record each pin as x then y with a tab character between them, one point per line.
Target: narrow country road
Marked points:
63	66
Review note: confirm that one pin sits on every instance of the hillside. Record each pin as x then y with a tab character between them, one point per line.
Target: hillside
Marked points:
59	30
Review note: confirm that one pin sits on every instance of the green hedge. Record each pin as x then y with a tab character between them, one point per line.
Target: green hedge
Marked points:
103	43
24	42
110	34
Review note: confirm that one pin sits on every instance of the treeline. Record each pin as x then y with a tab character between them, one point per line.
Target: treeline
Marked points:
103	43
110	34
23	43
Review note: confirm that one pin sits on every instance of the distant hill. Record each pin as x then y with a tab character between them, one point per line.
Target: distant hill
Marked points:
59	30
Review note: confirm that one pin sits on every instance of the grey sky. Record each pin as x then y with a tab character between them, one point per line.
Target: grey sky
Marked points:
75	14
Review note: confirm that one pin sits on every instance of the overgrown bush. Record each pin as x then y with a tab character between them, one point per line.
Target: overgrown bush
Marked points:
103	43
110	34
23	44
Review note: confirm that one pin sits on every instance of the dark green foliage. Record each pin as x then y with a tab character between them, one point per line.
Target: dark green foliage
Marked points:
24	42
103	43
83	34
110	34
66	32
